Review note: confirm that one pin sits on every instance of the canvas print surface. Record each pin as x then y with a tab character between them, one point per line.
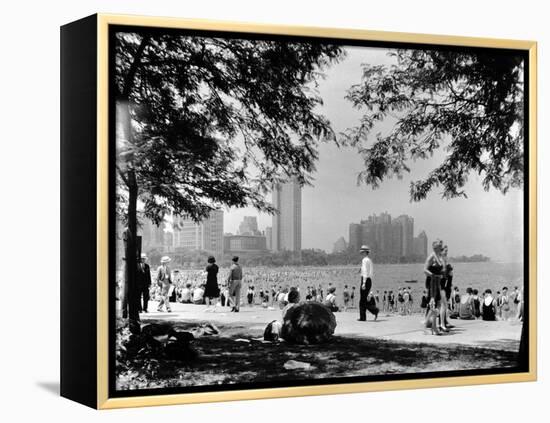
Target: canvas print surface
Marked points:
294	211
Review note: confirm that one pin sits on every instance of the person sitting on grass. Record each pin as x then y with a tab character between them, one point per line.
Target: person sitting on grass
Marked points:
198	295
466	309
186	293
330	300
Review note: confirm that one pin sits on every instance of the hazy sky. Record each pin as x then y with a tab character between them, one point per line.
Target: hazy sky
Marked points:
486	222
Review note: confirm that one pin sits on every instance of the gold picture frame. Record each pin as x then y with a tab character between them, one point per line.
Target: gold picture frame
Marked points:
103	401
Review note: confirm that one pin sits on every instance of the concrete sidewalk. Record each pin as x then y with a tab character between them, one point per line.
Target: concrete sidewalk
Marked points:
502	335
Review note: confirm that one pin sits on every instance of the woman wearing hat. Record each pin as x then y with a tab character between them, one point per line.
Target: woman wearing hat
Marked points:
164	281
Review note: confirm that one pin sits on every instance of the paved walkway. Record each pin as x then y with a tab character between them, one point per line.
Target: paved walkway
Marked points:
503	335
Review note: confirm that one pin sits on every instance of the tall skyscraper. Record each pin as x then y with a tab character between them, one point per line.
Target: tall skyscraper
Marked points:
287	222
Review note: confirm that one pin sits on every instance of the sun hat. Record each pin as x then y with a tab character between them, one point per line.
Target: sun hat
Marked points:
165	259
364	248
143	255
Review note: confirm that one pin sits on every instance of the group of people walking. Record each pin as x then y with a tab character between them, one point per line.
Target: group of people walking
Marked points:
166	284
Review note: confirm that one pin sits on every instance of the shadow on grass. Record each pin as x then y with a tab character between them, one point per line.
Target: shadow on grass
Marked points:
237	356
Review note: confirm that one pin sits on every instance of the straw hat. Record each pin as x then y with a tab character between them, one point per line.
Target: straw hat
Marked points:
364	248
143	255
165	259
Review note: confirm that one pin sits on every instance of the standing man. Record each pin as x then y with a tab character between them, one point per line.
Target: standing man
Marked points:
367	273
235	281
164	280
143	282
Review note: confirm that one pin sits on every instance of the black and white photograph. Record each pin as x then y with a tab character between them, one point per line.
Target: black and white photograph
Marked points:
293	211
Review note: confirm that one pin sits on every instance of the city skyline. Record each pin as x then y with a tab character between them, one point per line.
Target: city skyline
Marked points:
390	238
468	225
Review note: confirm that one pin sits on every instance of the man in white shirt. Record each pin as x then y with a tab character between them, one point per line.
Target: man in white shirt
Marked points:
367	273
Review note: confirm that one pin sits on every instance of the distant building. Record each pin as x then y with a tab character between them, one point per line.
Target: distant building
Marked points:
396	239
421	246
406	224
340	245
169	241
383	235
249	226
212	236
244	243
287	222
390	239
206	235
269	238
355	234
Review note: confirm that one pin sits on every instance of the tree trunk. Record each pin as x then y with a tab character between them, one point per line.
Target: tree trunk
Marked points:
131	255
132	294
124	117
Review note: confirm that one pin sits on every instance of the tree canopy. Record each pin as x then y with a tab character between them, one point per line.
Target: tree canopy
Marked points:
471	104
206	122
